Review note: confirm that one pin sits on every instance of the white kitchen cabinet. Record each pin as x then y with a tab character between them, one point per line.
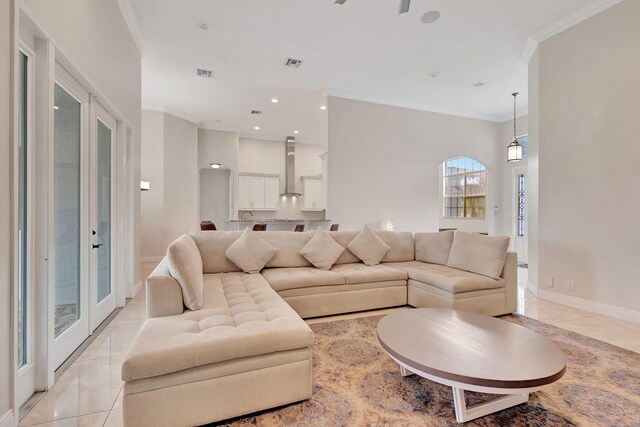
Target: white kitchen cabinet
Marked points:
313	194
271	192
257	192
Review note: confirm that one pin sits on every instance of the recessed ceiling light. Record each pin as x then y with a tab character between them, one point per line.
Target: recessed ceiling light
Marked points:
55	107
274	100
434	75
203	25
323	107
430	17
215	165
296	132
256	127
478	84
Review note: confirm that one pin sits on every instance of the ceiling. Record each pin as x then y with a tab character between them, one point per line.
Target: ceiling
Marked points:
361	50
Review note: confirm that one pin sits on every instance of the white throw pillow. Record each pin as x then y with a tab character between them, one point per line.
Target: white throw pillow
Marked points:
322	251
434	248
368	247
478	253
185	265
250	252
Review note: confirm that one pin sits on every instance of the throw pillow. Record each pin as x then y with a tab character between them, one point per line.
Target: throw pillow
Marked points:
185	265
368	247
434	248
478	253
250	252
322	251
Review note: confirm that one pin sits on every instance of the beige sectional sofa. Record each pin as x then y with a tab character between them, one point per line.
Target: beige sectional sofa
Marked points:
247	348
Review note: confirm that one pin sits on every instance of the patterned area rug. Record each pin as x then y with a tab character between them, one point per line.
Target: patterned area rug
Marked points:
357	384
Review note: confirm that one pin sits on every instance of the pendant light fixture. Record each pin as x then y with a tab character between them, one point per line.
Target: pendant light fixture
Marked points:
514	150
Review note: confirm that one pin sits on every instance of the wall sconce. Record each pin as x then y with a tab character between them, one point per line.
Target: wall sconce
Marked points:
145	186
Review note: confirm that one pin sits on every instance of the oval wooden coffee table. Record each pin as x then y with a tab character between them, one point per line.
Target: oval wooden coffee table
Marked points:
472	352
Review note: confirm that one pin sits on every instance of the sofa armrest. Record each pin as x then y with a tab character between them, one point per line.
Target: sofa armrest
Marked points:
164	297
510	275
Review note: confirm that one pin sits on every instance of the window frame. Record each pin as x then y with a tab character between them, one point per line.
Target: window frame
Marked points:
464	196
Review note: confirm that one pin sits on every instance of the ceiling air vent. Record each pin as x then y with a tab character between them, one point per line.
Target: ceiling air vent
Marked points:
205	73
293	63
256	112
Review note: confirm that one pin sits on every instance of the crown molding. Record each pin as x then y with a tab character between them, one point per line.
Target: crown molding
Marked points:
130	18
421	107
564	24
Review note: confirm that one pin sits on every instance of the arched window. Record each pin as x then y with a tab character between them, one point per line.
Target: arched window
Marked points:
464	188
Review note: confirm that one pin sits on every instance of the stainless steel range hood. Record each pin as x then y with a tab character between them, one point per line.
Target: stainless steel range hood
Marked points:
290	168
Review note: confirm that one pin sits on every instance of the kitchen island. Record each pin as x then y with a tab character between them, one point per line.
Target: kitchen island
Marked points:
279	224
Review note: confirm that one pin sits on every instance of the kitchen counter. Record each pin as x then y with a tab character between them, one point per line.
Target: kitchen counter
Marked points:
277	224
278	220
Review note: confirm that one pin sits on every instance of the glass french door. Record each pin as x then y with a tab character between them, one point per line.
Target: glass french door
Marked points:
84	142
102	292
70	226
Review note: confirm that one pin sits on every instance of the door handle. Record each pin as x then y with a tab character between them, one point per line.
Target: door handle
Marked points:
99	245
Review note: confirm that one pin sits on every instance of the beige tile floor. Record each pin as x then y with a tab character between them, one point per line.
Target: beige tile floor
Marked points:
89	393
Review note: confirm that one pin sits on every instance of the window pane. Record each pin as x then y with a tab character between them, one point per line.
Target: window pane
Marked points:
454	186
524	141
475	183
104	211
67	143
453	207
474	207
22	213
521	206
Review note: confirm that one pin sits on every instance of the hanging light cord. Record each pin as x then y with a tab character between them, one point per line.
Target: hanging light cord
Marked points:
514	116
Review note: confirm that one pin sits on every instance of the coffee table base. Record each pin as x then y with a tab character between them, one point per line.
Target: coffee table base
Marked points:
465	413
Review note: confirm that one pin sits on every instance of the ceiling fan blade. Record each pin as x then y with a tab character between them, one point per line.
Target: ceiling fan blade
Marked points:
339	2
404	6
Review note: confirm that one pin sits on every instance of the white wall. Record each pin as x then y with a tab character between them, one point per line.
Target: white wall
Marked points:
152	170
216	146
6	285
588	156
214	196
268	157
384	164
181	178
170	164
95	36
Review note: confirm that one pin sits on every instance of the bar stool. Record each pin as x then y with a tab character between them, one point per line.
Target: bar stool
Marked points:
260	227
207	226
299	227
334	227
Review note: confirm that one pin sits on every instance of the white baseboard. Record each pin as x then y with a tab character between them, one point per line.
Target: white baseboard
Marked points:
8	419
151	258
588	305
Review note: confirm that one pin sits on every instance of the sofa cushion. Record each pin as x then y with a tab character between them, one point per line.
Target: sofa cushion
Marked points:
322	251
185	265
250	252
344	238
361	273
241	317
212	246
368	247
400	243
478	253
289	244
300	277
446	278
434	247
